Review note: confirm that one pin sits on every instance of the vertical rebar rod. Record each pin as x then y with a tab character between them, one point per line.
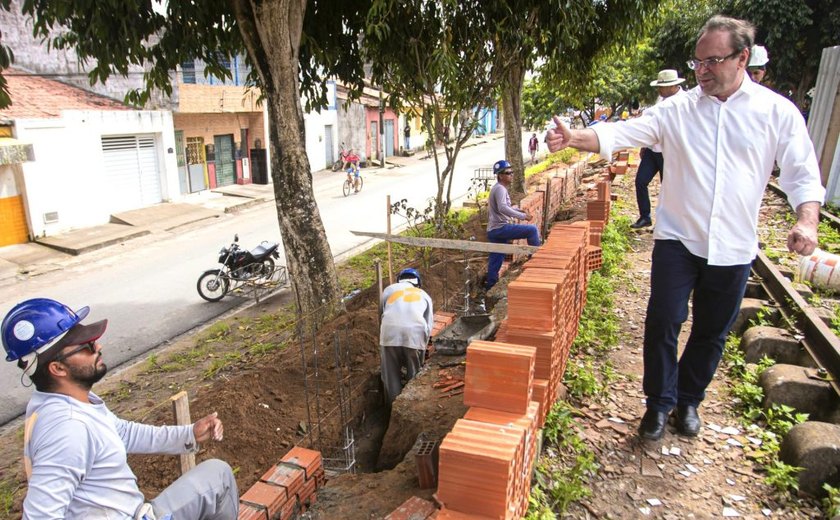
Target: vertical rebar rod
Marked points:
317	376
304	370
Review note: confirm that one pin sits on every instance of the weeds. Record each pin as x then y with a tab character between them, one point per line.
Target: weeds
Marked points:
562	478
8	488
777	420
831	503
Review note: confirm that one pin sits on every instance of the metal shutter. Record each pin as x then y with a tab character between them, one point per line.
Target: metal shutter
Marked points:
132	179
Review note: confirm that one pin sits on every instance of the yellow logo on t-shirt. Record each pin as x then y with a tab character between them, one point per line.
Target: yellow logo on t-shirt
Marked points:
412	294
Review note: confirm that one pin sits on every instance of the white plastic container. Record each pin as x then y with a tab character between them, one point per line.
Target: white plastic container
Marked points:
821	270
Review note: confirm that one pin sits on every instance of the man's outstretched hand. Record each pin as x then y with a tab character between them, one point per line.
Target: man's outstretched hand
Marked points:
209	427
559	137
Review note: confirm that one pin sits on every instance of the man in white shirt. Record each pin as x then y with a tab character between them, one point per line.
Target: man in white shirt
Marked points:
667	84
719	142
75	448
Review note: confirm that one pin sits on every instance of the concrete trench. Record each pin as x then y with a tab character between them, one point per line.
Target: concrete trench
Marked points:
796	382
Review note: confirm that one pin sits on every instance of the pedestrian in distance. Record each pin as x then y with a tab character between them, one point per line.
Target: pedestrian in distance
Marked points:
407	321
667	84
719	142
75	448
500	229
757	67
533	146
407	136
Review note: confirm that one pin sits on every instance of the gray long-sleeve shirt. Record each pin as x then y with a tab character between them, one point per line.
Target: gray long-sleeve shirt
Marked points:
75	457
500	210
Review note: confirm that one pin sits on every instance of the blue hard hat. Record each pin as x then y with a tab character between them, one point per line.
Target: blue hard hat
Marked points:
500	166
411	276
36	323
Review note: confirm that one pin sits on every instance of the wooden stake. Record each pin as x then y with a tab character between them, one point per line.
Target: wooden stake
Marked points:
181	409
378	264
390	259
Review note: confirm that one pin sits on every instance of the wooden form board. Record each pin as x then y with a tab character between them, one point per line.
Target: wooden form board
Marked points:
445	243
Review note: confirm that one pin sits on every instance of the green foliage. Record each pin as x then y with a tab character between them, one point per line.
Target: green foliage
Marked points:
562	157
831	503
8	488
782	476
828	238
763	318
580	380
561	479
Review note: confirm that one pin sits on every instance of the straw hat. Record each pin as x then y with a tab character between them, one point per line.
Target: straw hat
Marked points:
667	78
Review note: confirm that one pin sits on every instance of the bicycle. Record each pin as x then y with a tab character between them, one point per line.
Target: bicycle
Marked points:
354	183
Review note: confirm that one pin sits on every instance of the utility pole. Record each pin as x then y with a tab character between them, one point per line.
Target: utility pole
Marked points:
382	126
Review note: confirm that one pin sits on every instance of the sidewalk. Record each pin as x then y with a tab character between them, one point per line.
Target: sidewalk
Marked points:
51	253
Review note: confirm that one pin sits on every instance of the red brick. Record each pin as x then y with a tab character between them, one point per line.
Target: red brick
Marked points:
247	512
415	508
308	460
287	476
267	496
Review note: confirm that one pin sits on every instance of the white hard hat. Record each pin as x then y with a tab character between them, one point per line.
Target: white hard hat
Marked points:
758	56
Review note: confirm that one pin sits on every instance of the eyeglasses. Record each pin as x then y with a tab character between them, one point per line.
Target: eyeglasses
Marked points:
761	68
695	64
89	346
506	172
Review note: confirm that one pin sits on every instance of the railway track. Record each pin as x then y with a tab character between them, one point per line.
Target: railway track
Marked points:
812	384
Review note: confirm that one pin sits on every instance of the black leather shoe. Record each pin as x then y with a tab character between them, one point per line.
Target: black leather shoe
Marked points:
641	223
653	425
688	422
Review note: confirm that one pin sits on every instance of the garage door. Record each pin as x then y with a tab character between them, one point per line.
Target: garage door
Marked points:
131	171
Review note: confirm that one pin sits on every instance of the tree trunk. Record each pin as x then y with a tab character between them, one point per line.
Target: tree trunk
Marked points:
272	30
512	118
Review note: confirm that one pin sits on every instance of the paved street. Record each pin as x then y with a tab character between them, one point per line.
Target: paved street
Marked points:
146	287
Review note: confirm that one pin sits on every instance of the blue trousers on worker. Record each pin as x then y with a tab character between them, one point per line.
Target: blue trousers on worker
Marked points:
504	235
718	291
650	165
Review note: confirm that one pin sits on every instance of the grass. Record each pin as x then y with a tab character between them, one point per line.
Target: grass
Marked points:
8	489
562	477
564	156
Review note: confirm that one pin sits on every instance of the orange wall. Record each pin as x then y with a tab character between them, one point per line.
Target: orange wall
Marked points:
13	229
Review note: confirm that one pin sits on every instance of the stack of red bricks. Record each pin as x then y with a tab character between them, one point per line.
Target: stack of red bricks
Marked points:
286	489
620	160
486	460
599	208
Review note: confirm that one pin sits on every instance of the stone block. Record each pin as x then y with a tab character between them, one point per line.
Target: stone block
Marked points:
815	447
800	388
775	343
750	307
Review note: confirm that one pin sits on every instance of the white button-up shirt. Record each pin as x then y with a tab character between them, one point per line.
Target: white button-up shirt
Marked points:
718	158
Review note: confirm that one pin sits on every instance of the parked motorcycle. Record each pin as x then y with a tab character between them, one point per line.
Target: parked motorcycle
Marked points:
240	267
345	156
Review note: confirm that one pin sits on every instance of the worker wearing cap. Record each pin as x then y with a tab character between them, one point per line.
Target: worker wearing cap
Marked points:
756	67
408	317
667	84
75	448
500	229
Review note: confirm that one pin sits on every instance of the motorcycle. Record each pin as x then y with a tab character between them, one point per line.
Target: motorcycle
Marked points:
240	267
345	156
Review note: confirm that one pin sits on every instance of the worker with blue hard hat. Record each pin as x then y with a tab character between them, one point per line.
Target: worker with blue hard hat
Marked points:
75	448
501	228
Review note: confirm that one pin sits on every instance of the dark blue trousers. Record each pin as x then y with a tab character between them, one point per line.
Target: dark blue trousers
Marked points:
503	235
718	291
650	165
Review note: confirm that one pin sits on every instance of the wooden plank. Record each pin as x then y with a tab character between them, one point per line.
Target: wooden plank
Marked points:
181	409
444	243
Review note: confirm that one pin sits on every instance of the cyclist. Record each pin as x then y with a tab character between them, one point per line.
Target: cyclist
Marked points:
351	165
